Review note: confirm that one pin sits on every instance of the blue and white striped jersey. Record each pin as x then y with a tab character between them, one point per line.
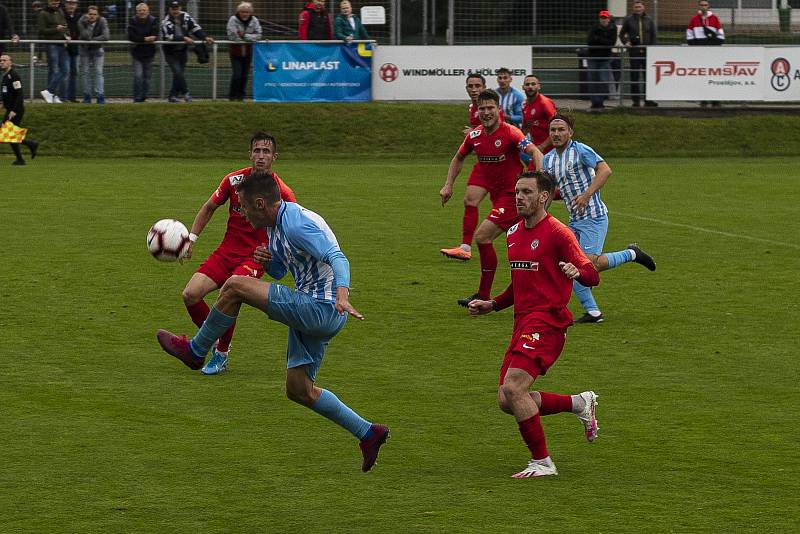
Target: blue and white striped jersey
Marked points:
303	243
511	103
573	170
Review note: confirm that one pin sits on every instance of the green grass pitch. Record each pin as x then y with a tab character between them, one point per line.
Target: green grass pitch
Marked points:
696	366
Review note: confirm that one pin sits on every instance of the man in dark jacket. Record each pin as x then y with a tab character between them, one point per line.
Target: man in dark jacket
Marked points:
316	23
637	33
53	27
14	104
142	29
602	36
179	26
72	16
6	29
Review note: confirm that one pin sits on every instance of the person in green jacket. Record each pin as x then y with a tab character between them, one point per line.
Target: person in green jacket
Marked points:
347	26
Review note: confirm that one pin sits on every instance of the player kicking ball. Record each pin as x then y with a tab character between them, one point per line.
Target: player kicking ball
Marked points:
545	258
315	311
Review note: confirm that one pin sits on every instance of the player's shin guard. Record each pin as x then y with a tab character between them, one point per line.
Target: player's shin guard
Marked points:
216	324
328	405
584	295
533	435
198	312
488	268
468	224
553	403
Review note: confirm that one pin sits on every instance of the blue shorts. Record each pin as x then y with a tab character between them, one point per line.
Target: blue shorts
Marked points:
591	234
312	324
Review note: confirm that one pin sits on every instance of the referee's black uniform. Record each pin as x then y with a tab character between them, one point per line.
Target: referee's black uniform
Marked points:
13	100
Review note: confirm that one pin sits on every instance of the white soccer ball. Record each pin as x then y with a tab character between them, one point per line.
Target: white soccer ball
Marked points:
168	240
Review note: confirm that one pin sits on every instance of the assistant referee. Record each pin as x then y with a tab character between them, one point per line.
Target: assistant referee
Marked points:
13	102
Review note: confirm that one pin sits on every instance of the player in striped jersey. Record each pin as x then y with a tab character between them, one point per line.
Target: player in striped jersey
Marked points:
581	173
300	242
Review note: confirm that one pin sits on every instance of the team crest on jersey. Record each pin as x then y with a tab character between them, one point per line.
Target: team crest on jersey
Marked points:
512	229
497	143
474	133
534	244
236	179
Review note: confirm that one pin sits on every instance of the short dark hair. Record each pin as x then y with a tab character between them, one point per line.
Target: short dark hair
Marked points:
261	184
264	136
560	116
489	94
503	70
531	75
544	180
476	75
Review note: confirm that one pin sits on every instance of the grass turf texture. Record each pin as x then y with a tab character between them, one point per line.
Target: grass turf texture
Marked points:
696	365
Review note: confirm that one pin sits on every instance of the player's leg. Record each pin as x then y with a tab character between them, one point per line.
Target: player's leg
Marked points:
484	237
198	286
591	240
583	405
476	191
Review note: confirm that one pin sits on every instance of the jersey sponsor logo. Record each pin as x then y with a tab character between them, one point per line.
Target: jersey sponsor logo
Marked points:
524	265
492	159
474	133
236	179
534	244
530	337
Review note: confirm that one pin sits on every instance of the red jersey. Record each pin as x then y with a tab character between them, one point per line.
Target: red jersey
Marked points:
240	237
474	119
536	118
539	288
498	155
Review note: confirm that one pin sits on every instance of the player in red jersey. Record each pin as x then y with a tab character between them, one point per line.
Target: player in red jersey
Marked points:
537	113
477	187
497	145
545	258
234	256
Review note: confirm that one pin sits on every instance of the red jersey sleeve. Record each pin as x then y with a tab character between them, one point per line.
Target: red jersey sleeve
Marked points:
571	251
505	299
287	194
549	109
467	146
518	138
223	192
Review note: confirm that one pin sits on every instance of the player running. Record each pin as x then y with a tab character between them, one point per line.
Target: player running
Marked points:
234	256
545	258
537	113
497	145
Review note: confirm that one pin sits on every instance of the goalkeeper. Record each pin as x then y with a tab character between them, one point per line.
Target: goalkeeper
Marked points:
13	102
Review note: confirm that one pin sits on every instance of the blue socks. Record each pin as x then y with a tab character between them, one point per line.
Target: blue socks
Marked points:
328	405
584	295
618	258
214	326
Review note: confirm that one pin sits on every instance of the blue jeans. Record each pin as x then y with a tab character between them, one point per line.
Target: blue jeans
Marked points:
600	78
142	71
95	58
57	66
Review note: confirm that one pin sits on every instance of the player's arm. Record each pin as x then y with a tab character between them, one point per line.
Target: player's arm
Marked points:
500	302
601	173
200	222
574	263
19	98
516	111
456	164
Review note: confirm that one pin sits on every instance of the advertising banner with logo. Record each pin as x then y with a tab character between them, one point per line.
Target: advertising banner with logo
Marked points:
302	72
781	74
705	73
439	72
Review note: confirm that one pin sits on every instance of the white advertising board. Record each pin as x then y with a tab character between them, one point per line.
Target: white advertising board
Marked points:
439	72
705	73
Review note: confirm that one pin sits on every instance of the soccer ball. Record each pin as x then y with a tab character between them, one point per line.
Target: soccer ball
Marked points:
168	240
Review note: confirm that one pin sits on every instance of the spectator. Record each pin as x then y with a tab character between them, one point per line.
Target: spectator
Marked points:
243	28
315	22
33	23
347	27
93	27
705	29
6	28
602	36
142	29
511	99
637	33
53	26
70	82
178	26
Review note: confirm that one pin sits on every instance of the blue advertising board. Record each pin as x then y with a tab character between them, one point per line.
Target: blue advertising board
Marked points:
304	72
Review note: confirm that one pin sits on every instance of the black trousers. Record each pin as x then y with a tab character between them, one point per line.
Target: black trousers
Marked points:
638	73
17	120
240	71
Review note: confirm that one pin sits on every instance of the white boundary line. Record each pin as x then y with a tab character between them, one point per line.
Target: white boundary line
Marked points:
709	231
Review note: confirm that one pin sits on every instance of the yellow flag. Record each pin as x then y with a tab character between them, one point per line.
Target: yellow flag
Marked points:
11	133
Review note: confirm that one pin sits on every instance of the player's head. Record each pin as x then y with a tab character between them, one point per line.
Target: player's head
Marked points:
531	85
503	77
475	84
263	151
259	198
488	108
534	191
560	130
5	62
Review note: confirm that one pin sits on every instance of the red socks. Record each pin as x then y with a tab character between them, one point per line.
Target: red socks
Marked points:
488	268
468	224
533	435
553	403
198	312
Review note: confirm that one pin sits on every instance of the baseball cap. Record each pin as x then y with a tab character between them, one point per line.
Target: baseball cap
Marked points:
71	1
174	3
604	14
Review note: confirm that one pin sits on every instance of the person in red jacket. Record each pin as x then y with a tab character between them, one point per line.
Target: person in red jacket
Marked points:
315	23
545	258
705	29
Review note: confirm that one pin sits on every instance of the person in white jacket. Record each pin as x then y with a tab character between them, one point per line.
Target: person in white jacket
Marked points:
243	28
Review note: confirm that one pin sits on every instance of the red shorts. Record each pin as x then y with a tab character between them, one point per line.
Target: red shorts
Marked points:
476	178
535	346
221	266
504	212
